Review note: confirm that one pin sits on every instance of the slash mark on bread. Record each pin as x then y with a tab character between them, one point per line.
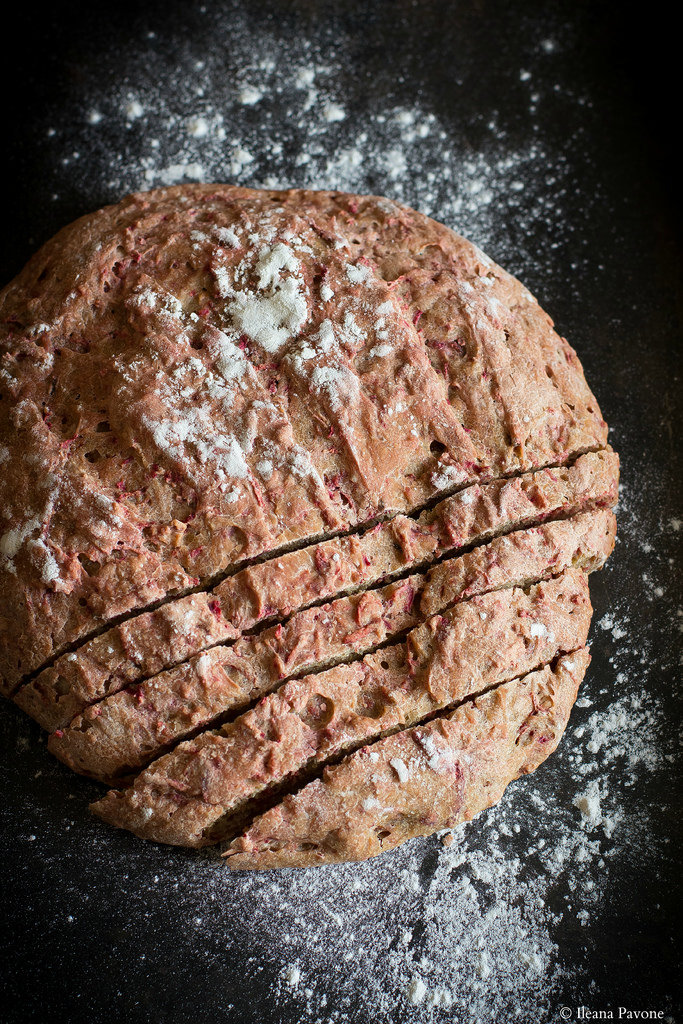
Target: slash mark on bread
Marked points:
183	795
119	735
143	646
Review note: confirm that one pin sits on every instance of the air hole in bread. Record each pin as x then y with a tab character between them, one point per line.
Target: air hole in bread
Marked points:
92	568
371	705
525	737
318	713
62	686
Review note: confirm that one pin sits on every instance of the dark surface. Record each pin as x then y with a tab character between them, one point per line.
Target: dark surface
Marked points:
89	934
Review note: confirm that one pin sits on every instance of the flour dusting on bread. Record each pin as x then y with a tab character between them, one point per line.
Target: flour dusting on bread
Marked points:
288	473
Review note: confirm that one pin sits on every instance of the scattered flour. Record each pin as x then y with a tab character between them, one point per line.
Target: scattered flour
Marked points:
272	112
132	109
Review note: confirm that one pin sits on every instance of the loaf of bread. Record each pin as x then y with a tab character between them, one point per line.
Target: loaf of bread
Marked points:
286	474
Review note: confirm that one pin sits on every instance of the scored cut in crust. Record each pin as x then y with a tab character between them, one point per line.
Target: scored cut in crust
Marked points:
420	780
142	646
251	436
120	734
478	644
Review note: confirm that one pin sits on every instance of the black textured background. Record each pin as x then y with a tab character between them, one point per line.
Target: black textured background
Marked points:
86	936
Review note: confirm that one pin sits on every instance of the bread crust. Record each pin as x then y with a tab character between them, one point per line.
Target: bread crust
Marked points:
115	737
147	451
305	458
420	780
145	645
190	796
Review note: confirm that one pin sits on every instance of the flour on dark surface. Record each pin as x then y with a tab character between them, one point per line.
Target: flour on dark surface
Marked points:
263	111
474	925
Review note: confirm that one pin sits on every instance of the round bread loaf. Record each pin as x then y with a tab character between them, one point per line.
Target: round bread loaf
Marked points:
222	409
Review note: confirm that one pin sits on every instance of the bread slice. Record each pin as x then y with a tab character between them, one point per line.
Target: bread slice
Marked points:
202	375
143	646
122	733
420	780
199	792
